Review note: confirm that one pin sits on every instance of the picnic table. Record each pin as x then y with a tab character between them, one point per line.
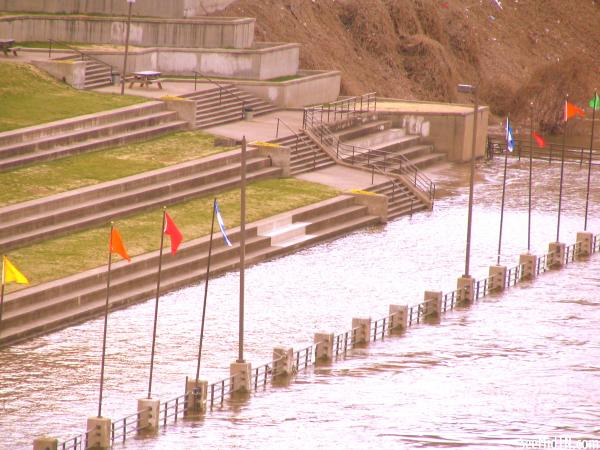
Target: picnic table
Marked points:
145	78
6	44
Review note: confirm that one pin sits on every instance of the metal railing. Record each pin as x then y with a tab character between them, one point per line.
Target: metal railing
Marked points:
174	408
121	429
281	121
79	442
226	89
551	152
217	391
82	54
332	112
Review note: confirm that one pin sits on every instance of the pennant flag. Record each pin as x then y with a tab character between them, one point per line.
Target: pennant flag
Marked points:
11	274
572	110
595	102
174	233
538	139
510	141
116	244
222	225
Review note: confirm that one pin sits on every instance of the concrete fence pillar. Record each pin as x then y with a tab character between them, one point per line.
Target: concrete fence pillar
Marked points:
45	443
196	395
324	346
558	254
364	330
497	275
148	410
586	242
529	264
99	435
398	317
283	361
466	289
433	303
241	372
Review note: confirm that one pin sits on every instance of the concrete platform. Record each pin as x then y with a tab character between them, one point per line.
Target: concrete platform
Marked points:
344	178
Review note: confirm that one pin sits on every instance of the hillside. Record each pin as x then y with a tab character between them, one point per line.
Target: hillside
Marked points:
528	50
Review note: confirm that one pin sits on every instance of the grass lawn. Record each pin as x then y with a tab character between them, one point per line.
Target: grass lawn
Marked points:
65	174
30	97
57	258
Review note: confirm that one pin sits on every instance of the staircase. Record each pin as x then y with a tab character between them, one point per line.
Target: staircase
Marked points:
86	133
401	200
225	104
96	74
306	154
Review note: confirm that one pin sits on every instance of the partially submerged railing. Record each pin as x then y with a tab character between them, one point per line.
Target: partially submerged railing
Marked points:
334	111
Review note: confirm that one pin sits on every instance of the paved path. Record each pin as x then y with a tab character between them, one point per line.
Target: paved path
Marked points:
342	177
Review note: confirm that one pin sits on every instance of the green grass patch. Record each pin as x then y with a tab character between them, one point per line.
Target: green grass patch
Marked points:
60	257
40	180
29	97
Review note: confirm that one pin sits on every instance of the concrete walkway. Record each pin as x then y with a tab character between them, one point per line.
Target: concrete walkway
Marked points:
343	178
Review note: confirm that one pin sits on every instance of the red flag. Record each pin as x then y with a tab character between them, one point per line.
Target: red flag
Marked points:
538	139
572	110
172	230
116	244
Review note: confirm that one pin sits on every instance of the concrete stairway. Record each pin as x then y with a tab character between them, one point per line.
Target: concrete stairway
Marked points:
401	200
306	155
86	133
217	106
32	221
54	305
96	74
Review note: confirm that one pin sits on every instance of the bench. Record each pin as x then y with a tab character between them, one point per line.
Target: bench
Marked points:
145	78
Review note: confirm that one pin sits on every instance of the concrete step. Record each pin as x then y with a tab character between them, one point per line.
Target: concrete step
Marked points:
286	232
363	130
428	160
93	144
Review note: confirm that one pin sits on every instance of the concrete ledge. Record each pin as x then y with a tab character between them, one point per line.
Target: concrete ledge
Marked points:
377	204
71	72
280	156
185	109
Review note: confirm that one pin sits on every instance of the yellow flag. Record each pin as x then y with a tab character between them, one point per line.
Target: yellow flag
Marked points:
11	274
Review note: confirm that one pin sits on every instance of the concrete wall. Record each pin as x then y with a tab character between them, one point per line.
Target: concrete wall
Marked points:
203	32
258	64
313	88
450	133
71	72
157	8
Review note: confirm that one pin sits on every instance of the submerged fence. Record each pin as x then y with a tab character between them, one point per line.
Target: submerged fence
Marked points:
337	345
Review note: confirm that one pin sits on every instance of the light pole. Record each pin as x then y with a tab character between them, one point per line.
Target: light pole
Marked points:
470	89
131	2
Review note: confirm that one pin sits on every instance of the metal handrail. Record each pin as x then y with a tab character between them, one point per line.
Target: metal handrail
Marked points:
523	147
311	111
221	88
79	442
81	53
289	128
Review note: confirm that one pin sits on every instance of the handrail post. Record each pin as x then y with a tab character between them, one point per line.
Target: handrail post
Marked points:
49	48
195	80
277	132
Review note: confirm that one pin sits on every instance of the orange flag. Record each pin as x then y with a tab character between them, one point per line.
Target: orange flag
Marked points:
116	244
172	230
572	110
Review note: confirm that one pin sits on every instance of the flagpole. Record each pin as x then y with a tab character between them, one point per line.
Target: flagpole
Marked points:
562	168
587	195
105	320
502	207
2	293
530	173
212	227
162	240
242	249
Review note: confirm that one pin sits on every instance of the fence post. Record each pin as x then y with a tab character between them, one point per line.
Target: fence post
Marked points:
283	361
196	393
45	443
585	239
364	330
466	289
558	254
148	415
324	347
398	317
433	303
241	373
529	264
497	278
99	436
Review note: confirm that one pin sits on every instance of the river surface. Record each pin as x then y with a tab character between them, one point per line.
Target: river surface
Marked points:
521	365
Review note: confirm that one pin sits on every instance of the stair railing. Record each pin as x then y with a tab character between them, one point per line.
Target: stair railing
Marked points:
82	54
331	112
279	120
221	89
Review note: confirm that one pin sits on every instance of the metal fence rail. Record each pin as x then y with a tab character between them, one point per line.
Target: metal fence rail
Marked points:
79	442
122	428
337	110
218	391
551	152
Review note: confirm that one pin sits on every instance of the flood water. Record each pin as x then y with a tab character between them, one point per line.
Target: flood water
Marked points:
521	365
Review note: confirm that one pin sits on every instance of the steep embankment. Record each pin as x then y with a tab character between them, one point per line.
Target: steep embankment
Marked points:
530	50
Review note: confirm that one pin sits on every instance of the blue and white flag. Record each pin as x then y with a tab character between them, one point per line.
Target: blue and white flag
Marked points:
510	140
222	225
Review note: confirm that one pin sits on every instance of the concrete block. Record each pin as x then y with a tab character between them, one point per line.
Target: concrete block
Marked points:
398	317
586	242
433	303
149	415
557	249
242	377
197	393
185	109
324	346
466	287
71	72
377	204
280	156
283	361
99	436
45	443
529	264
497	276
364	330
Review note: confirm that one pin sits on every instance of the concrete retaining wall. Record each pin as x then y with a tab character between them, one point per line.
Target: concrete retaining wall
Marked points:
158	8
276	60
71	72
201	32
